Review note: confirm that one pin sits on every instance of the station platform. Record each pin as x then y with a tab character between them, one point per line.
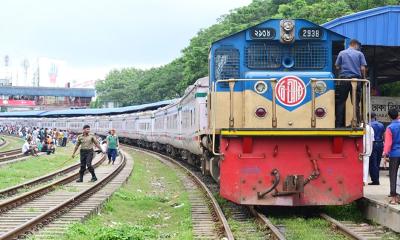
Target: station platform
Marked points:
375	204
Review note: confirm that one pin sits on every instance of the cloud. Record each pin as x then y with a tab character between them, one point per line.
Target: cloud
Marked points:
100	34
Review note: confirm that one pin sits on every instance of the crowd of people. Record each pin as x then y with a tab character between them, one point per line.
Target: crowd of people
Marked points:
38	139
46	140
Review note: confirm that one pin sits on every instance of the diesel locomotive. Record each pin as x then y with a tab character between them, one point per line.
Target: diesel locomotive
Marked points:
263	123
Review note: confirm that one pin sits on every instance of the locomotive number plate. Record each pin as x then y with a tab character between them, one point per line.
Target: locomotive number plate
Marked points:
311	33
262	33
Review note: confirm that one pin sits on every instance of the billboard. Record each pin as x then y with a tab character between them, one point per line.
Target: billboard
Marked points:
381	106
52	73
11	102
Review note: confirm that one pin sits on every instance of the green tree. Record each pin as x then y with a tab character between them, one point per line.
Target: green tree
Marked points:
134	86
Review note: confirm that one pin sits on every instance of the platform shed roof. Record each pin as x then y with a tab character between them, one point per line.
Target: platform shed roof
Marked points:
47	91
22	114
378	26
91	111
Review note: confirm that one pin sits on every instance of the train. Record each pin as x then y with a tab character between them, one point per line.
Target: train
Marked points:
262	124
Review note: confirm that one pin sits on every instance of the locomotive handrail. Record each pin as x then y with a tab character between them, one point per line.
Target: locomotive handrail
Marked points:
231	83
366	96
365	103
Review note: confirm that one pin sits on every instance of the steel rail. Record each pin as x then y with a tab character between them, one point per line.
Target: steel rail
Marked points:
264	220
342	228
46	217
14	189
217	209
10	154
9	204
2	141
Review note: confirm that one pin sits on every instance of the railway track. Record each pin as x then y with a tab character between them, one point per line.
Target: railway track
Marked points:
359	231
274	231
208	220
349	229
204	224
2	141
33	210
8	192
7	156
352	230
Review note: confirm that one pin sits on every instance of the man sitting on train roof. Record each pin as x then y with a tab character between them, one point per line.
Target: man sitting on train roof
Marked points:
351	64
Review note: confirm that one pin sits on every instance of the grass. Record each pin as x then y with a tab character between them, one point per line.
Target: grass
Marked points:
348	212
351	212
300	228
239	228
152	205
19	172
12	143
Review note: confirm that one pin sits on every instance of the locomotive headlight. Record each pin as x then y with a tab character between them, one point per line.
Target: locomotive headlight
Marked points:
287	26
260	87
287	37
320	87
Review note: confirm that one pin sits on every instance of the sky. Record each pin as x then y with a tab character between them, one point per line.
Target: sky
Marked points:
93	36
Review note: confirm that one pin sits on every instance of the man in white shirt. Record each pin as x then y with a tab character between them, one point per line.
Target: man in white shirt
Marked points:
26	148
368	140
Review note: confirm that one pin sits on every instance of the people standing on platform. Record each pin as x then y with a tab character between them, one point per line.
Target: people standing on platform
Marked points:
368	140
391	149
377	150
60	138
112	146
351	64
65	138
86	142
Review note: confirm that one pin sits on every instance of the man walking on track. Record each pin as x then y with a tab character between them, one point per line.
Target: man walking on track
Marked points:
377	149
112	144
86	141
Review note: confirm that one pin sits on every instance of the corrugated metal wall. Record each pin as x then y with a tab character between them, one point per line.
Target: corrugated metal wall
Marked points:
378	26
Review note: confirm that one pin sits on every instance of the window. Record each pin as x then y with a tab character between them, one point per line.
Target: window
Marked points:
226	63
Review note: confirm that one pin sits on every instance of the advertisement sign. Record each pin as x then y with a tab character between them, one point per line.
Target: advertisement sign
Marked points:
17	102
381	106
51	73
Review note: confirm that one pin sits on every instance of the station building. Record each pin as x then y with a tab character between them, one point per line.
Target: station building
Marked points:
44	98
378	30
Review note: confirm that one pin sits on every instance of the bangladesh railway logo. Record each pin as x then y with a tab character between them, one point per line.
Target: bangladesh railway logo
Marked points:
290	91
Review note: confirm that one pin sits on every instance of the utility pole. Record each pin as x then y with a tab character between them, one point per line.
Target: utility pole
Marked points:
25	65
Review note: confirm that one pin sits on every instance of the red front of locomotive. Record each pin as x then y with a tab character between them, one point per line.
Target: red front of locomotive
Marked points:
291	170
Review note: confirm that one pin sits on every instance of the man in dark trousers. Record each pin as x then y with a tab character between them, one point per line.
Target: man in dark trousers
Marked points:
351	64
391	149
86	141
377	149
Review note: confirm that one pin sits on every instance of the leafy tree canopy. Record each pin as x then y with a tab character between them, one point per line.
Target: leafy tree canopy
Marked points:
131	86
